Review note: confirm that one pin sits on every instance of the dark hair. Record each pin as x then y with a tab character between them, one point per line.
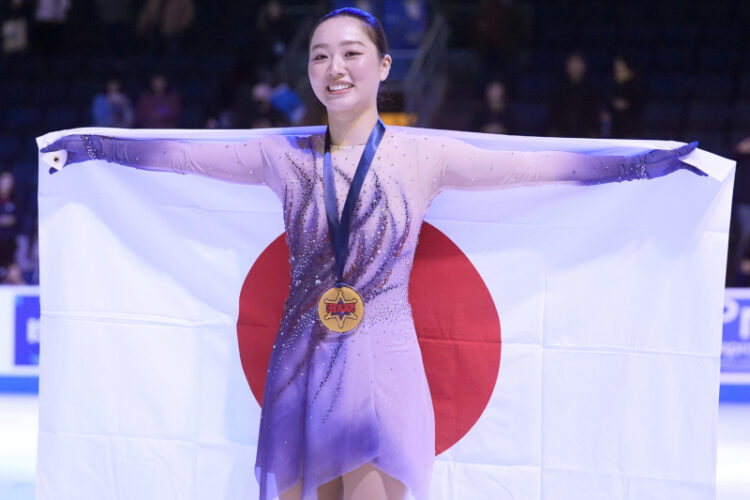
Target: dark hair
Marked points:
369	22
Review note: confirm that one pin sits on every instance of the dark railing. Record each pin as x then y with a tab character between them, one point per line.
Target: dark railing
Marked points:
424	83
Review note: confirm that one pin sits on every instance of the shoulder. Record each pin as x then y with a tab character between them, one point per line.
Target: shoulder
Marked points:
288	143
414	137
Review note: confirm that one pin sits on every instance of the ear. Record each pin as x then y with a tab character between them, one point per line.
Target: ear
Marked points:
385	67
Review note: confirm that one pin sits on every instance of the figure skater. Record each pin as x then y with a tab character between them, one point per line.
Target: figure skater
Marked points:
346	411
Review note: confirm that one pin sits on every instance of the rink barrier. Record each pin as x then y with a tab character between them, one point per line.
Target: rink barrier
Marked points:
19	343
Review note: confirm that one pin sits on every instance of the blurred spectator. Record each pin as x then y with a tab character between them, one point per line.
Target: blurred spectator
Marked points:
274	32
159	107
503	34
10	215
261	105
288	102
738	262
262	113
51	16
27	256
624	112
496	116
162	23
114	24
12	275
15	26
574	107
112	108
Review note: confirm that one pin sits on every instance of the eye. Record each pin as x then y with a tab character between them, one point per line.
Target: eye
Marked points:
319	57
352	53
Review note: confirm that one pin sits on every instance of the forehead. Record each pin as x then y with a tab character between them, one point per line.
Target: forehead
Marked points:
338	30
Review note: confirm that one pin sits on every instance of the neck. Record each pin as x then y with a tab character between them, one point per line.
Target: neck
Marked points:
349	128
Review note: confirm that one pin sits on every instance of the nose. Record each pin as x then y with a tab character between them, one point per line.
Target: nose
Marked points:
336	67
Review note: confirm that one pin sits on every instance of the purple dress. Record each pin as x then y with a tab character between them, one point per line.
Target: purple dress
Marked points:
333	403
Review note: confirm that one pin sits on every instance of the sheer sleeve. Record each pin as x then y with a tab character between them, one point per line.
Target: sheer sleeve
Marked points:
451	163
244	162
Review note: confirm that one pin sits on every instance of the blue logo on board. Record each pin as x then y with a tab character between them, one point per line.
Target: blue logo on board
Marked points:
27	330
735	347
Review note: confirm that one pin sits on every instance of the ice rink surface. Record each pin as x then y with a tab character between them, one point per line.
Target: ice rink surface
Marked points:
18	433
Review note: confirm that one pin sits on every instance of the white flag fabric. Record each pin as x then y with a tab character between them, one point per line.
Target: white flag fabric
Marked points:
609	297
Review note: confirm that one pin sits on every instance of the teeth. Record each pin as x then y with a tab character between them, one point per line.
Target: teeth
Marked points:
340	86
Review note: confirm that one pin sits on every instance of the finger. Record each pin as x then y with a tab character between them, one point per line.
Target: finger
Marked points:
55	146
686	149
696	171
60	144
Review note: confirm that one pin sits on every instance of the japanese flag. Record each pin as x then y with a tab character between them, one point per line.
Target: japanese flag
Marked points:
571	335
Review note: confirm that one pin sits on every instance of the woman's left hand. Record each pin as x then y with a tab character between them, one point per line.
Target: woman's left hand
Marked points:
665	161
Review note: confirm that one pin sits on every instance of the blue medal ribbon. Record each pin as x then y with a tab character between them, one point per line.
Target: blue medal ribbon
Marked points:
338	230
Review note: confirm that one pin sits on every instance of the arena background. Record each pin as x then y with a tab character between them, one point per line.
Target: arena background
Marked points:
242	67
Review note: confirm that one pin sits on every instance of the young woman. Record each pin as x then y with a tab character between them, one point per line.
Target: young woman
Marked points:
347	411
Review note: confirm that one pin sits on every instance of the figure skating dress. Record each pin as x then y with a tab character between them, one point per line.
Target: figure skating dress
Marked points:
335	402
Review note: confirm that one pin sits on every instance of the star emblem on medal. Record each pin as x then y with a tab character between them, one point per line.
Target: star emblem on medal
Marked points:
341	308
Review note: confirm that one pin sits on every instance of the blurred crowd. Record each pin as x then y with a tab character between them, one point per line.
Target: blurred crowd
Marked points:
198	64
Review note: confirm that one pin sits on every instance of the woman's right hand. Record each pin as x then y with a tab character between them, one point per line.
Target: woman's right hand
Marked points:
78	148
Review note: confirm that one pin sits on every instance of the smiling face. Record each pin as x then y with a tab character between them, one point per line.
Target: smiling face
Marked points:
345	69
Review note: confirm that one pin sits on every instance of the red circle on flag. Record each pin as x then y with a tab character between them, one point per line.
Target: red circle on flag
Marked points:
454	315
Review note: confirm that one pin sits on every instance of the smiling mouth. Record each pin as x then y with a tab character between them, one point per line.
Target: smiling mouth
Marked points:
339	87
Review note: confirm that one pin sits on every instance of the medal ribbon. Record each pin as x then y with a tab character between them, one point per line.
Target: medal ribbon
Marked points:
338	230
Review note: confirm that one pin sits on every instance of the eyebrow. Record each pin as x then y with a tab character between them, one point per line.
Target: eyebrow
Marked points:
346	42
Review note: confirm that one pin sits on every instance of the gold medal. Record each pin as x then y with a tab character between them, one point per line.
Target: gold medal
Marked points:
341	309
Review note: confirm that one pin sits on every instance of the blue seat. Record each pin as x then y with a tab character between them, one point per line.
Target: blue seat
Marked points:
680	34
710	140
200	90
49	92
630	14
744	86
741	115
711	86
714	59
144	64
660	133
711	11
666	11
104	65
216	64
10	146
192	117
722	34
663	115
586	11
599	61
536	87
22	119
12	92
557	35
668	86
62	117
82	91
673	59
641	33
546	60
707	115
179	63
532	118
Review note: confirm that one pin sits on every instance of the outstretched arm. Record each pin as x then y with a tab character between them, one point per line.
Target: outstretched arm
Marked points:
241	162
462	165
